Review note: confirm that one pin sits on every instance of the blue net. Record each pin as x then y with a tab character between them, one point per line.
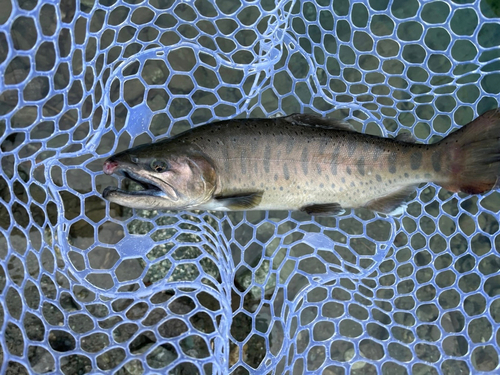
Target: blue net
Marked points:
91	287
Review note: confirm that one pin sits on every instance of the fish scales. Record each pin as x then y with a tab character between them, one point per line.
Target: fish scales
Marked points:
314	172
302	162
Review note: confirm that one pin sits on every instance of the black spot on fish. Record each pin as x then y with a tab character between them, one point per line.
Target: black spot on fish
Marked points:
351	147
226	157
285	172
376	152
243	162
361	166
321	185
304	160
353	184
348	170
279	138
318	169
379	179
406	175
322	147
281	188
275	177
427	176
333	162
416	160
333	186
333	168
391	160
343	180
290	145
436	161
267	157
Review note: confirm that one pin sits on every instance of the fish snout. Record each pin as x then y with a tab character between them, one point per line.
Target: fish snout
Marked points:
109	166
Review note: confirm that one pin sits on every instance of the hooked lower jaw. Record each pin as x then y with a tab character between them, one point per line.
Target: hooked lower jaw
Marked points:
152	196
149	199
142	199
111	190
149	196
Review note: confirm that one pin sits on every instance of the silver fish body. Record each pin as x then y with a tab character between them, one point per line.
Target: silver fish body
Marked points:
302	162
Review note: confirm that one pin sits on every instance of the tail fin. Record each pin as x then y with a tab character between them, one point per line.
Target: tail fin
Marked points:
473	153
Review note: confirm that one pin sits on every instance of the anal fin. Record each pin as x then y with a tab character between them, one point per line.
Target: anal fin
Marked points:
325	209
392	204
244	201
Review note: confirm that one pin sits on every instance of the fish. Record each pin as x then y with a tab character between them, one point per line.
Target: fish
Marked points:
302	162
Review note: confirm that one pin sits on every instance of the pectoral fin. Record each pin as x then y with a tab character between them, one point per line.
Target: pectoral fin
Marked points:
244	201
326	209
392	204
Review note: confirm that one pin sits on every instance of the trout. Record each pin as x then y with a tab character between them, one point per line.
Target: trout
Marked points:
302	162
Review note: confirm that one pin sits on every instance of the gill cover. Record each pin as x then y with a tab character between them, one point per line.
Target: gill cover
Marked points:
201	186
189	181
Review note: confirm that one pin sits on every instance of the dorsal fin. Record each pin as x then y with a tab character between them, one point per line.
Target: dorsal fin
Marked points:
317	121
406	137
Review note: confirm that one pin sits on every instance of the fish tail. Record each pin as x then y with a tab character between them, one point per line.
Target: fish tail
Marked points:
471	156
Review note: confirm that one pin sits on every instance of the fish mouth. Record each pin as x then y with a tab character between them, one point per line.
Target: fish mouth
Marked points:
149	188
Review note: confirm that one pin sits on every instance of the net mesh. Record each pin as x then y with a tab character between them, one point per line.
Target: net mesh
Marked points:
87	286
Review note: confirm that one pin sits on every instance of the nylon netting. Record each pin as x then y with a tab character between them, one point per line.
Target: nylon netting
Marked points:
91	287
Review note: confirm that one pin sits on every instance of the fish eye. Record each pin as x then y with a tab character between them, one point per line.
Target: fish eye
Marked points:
159	166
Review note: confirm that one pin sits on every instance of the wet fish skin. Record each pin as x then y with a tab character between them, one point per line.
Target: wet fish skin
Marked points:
189	179
303	162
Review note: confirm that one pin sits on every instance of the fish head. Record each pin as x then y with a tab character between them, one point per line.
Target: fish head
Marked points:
173	176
